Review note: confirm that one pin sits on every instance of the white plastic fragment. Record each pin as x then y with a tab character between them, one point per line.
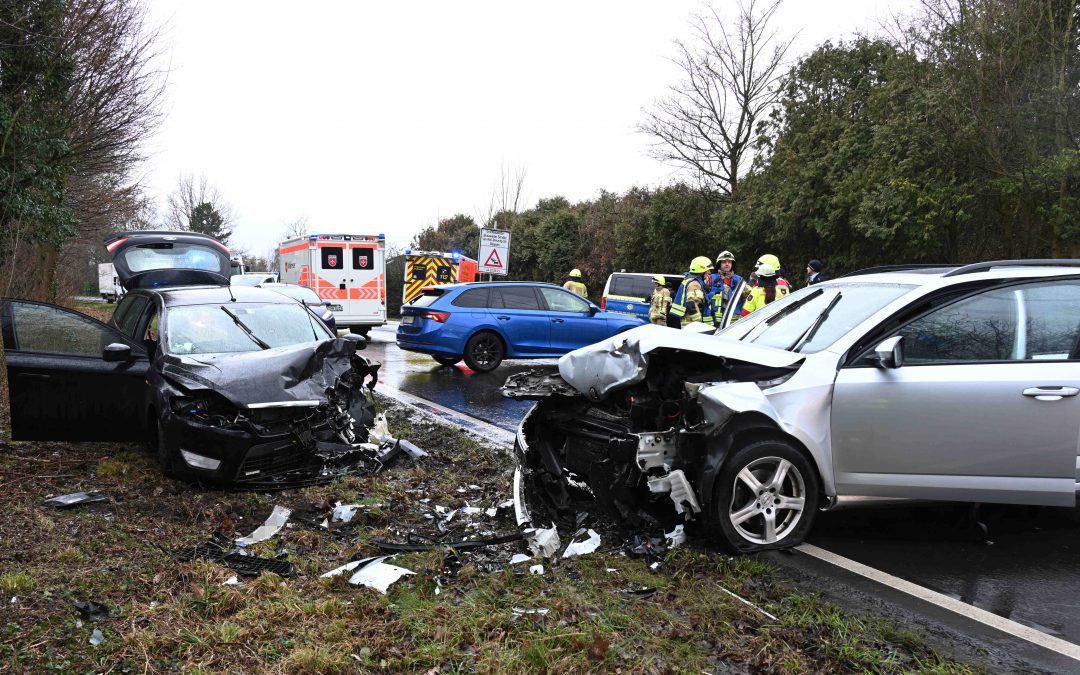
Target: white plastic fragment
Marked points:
676	537
409	447
343	513
231	581
380	431
537	569
583	547
543	542
371	572
96	637
492	512
747	603
273	524
518	558
474	487
537	611
471	510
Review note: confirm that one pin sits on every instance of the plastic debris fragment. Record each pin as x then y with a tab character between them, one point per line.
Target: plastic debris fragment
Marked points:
276	520
75	499
371	572
578	547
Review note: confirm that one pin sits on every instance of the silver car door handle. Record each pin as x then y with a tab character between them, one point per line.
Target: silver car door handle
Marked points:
1051	393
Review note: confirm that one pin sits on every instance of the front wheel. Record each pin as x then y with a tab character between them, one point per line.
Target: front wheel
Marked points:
484	352
766	497
446	360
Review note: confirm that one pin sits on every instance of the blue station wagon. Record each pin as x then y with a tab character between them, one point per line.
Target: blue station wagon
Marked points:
485	323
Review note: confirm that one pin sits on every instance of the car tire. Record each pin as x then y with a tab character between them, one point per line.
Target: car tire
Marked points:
446	360
484	352
166	460
765	497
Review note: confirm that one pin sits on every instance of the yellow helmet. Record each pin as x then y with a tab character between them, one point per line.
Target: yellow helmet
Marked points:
766	270
725	255
770	259
659	280
700	264
575	273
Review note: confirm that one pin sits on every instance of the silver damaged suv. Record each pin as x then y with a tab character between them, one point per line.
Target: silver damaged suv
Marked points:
919	382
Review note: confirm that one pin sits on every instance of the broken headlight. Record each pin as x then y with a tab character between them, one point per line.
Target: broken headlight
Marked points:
206	407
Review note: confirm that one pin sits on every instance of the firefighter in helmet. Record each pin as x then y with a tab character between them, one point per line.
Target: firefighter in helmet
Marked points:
660	302
574	285
724	283
690	303
768	289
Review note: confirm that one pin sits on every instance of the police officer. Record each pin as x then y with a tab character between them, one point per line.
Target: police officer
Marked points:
574	285
690	303
724	283
660	302
813	272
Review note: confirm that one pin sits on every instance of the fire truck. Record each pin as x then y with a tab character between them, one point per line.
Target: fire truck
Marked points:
346	270
429	268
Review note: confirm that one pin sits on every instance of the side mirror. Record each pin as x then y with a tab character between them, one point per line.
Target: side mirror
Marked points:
116	352
593	309
889	353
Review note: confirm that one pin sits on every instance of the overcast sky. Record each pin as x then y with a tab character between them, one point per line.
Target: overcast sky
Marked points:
371	117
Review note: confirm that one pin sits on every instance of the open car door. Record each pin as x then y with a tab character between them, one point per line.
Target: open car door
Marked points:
729	311
71	377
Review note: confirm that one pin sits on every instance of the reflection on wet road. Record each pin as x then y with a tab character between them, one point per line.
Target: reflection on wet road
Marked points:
1027	568
455	387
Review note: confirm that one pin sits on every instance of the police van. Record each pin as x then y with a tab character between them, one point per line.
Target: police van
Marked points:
630	292
349	270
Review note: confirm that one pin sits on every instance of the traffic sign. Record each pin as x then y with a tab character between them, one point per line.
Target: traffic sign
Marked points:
494	256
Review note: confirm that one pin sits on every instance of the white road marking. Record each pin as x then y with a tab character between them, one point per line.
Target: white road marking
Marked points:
1063	647
489	432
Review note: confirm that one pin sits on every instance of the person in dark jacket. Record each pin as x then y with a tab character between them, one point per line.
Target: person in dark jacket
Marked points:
813	272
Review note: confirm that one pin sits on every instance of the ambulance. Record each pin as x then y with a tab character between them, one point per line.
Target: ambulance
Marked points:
429	268
346	270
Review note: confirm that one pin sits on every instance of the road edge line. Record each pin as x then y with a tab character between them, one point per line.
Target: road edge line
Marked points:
1019	630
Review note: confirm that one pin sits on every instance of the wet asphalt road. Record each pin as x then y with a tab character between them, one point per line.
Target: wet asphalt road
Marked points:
1022	563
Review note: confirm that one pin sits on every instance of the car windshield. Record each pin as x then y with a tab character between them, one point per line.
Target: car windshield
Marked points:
301	293
210	329
247	280
813	318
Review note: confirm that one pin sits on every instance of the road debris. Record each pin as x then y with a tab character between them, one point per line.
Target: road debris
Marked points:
531	611
221	550
543	542
371	572
636	594
91	610
520	558
75	499
274	522
537	569
747	603
582	547
96	637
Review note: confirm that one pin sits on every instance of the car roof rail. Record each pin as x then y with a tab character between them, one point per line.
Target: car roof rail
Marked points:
1031	262
898	268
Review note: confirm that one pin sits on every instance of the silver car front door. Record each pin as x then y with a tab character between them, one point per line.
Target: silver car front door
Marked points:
984	407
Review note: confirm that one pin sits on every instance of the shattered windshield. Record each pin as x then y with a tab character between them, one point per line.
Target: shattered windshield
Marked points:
206	329
813	318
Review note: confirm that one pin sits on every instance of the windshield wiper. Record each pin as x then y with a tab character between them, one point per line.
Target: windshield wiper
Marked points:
818	322
760	328
247	331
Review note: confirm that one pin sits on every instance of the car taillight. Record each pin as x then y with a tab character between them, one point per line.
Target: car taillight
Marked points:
603	302
441	317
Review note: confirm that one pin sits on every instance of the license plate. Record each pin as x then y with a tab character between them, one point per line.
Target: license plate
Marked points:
407	319
335	308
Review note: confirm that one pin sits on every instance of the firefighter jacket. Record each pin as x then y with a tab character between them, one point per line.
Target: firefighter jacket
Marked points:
659	305
690	302
756	299
722	289
577	287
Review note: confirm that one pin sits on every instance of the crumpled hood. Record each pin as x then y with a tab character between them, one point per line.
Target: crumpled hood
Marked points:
623	359
298	373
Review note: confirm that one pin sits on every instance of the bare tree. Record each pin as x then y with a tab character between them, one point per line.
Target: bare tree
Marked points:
191	192
297	227
505	196
730	72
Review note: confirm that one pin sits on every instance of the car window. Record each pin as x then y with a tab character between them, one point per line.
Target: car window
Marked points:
561	301
979	328
630	285
363	258
145	257
332	257
427	297
42	328
246	280
514	297
209	329
1051	314
130	303
475	297
130	319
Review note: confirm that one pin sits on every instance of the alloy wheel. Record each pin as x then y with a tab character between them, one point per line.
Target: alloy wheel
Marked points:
767	500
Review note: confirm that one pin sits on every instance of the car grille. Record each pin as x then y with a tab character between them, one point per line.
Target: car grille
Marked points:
270	459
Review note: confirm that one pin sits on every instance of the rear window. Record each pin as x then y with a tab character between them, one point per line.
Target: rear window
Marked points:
331	257
363	258
169	255
476	297
514	297
427	298
631	286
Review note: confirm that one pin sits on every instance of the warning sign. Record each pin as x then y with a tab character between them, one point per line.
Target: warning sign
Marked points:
494	251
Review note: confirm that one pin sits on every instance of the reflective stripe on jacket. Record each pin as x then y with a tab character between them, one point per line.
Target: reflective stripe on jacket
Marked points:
576	287
722	293
756	300
690	300
659	305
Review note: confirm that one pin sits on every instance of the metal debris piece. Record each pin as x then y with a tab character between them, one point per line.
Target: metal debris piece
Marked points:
636	594
371	572
75	499
274	522
543	542
534	611
222	550
519	558
91	610
678	488
96	637
411	449
583	547
343	513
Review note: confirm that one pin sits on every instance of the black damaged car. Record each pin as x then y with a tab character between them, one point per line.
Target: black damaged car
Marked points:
228	384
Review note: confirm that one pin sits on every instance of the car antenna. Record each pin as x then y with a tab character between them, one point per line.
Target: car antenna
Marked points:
231	296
